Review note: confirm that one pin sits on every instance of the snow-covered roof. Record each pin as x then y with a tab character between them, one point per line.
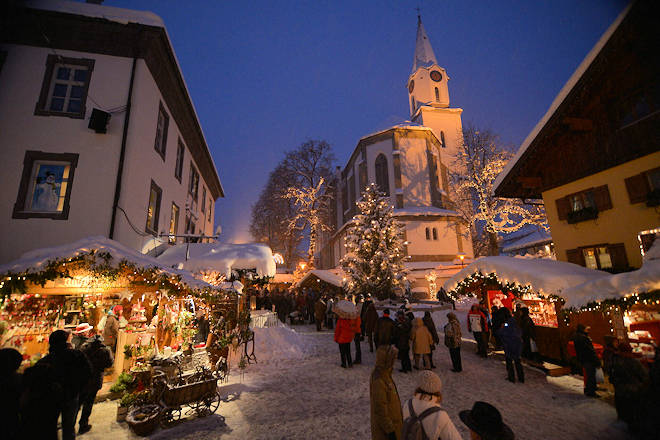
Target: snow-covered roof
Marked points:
563	93
35	261
220	257
530	239
110	13
545	276
423	210
407	125
329	276
424	56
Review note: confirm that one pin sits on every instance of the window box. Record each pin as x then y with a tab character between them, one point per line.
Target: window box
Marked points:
653	198
584	214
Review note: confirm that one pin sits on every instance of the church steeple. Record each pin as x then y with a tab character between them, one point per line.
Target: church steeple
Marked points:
424	56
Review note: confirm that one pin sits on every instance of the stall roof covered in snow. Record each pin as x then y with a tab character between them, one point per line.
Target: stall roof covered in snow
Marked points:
523	241
35	261
545	276
220	257
329	276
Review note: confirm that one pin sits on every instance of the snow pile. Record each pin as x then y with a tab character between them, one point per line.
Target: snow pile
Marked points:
280	343
36	260
220	257
545	276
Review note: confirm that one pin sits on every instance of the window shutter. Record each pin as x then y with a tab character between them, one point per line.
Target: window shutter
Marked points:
563	207
638	188
617	253
574	256
602	198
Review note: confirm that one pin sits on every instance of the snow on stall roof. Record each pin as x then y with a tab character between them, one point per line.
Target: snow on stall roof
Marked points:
36	260
424	210
110	13
561	96
531	239
329	276
221	257
545	276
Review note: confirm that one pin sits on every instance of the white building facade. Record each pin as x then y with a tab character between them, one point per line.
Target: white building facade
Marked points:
99	134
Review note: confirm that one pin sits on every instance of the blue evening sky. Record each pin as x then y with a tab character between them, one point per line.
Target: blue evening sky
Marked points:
267	75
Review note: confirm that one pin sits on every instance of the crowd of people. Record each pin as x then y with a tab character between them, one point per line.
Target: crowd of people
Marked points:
63	383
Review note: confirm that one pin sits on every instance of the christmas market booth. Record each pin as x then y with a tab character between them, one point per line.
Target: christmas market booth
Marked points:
562	295
327	281
159	311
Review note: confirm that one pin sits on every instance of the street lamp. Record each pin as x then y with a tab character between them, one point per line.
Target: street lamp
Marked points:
302	265
462	257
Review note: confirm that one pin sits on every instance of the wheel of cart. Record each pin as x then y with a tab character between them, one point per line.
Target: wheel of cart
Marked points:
200	395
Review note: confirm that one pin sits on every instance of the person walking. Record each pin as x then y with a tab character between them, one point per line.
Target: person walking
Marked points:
631	380
453	339
10	392
319	313
386	415
384	330
71	370
425	408
344	334
511	337
478	325
485	423
369	320
430	325
100	358
587	357
402	330
421	343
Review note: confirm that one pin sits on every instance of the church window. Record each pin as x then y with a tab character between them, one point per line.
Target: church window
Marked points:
442	139
412	104
428	234
435	233
437	94
382	176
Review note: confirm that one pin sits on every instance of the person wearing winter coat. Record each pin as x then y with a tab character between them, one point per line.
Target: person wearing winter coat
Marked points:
436	423
511	338
369	321
528	329
478	325
111	328
386	415
384	330
357	338
430	325
10	392
100	358
344	334
421	342
402	330
631	380
319	313
587	357
329	316
453	340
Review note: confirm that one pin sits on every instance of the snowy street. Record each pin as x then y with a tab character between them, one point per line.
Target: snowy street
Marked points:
299	391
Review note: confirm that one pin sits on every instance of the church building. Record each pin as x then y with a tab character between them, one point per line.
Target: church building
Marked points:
409	162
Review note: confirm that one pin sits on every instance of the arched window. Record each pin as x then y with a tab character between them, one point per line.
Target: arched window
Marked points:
428	234
435	234
412	104
382	177
437	94
442	139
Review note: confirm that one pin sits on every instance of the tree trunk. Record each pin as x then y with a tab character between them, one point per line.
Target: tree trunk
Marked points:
493	248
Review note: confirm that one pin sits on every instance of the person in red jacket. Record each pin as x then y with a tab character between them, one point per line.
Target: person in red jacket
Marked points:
478	325
344	334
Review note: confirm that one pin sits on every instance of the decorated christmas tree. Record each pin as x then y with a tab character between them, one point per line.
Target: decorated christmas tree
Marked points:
374	259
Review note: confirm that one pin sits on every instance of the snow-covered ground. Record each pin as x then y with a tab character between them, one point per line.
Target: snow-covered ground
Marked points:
298	391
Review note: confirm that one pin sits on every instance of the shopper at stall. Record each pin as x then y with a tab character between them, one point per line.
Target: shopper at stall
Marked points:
402	330
10	392
631	381
430	325
424	411
100	358
421	343
511	338
453	340
386	415
478	325
369	320
81	335
319	313
528	329
384	330
203	327
111	327
485	423
344	334
71	370
587	357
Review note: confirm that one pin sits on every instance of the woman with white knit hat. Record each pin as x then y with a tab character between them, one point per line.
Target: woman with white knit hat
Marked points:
426	406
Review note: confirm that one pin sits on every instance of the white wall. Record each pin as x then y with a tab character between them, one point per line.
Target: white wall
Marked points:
447	121
446	244
414	172
373	150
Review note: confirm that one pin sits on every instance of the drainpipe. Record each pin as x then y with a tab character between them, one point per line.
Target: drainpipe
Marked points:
122	154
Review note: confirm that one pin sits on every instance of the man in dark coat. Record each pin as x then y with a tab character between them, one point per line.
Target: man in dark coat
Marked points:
100	357
72	371
587	357
511	337
402	331
370	319
384	331
430	325
319	313
631	381
10	392
528	333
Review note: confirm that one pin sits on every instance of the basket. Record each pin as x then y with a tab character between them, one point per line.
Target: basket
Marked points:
143	420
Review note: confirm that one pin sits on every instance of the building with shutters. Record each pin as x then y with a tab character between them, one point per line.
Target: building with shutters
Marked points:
594	157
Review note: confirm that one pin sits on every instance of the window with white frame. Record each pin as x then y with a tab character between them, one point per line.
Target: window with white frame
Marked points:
65	86
162	124
178	166
174	222
153	208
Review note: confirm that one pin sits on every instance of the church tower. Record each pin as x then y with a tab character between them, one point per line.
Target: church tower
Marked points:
428	97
